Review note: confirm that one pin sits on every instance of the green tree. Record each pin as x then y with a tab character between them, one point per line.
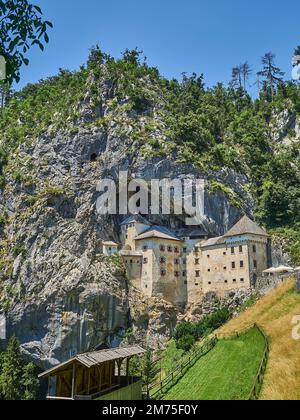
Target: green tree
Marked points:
246	73
17	378
271	73
186	342
148	368
21	26
236	78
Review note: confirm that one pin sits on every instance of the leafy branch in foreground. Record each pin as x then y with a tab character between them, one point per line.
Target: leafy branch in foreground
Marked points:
21	27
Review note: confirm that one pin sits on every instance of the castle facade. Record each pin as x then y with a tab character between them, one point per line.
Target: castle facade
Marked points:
182	266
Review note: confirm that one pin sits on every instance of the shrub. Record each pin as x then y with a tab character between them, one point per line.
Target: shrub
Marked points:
212	322
186	342
184	329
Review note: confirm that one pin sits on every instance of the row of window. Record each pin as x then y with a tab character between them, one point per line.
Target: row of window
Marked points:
164	248
163	273
242	280
175	249
163	260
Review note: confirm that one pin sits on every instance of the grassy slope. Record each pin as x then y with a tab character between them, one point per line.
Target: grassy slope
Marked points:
226	373
274	313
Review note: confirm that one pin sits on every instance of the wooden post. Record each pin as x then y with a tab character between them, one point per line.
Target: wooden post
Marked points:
89	382
119	370
100	374
49	382
73	381
127	369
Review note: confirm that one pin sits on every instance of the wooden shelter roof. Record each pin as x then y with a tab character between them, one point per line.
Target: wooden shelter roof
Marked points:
96	358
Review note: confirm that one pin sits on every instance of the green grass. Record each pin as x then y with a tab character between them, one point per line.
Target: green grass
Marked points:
226	373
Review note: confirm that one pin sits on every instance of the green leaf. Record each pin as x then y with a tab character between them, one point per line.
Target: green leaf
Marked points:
38	9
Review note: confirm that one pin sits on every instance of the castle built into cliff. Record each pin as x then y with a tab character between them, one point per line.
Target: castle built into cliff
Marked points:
181	266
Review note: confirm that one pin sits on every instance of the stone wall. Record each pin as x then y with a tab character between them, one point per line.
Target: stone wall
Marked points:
265	284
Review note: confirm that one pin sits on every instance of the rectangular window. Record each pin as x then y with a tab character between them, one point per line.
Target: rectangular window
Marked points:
242	280
233	265
197	273
176	250
184	250
162	260
185	282
162	248
176	274
225	268
254	249
240	249
145	248
184	274
196	284
197	261
184	261
234	280
163	273
170	249
176	262
241	264
145	261
255	263
232	250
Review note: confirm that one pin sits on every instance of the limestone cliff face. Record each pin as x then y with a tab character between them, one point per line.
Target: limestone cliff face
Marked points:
60	296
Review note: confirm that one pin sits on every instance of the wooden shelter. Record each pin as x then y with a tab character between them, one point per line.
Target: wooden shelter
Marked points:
95	375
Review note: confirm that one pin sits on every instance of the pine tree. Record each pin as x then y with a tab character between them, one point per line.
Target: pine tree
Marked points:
17	378
271	73
246	72
240	76
148	368
236	78
11	372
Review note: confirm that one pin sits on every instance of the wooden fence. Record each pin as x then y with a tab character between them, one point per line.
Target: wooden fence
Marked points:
157	389
256	388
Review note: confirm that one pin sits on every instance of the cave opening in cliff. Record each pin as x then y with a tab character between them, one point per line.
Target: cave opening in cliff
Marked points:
94	157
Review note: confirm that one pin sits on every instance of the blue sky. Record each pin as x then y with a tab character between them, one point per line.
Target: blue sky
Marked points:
202	36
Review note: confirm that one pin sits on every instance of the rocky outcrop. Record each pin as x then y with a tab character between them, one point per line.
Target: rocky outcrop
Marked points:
233	300
59	294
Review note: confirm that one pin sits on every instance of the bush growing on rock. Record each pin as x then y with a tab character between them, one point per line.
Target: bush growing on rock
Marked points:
186	342
186	333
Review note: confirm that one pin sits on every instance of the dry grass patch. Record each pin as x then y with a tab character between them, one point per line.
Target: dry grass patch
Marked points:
274	313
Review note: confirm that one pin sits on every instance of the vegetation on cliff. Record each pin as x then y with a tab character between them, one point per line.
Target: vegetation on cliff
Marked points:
214	128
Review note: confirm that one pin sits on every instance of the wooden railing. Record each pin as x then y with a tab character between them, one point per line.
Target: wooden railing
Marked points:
157	389
256	388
